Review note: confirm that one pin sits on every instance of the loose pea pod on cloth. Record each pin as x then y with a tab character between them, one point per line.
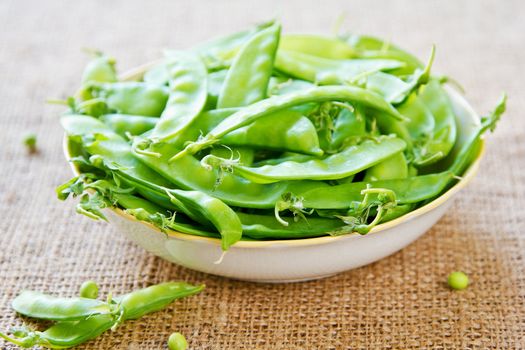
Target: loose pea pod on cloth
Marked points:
259	135
78	320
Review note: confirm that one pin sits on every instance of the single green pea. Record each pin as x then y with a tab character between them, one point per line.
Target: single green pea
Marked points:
30	142
89	289
177	341
458	280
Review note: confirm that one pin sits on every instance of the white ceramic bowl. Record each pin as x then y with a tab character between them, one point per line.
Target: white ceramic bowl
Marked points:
300	259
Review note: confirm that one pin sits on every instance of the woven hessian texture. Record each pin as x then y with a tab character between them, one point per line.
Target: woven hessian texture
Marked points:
400	302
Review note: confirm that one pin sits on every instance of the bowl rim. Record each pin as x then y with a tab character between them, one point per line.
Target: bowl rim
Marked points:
464	181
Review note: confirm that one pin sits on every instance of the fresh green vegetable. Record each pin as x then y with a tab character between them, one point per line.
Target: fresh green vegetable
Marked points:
39	305
30	143
458	280
177	341
78	320
258	135
89	289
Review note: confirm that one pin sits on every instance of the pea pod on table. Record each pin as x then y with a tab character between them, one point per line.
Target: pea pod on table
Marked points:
75	326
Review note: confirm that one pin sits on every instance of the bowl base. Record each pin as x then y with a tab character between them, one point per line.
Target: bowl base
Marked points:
287	280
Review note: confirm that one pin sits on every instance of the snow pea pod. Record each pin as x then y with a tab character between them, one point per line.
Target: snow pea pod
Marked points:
461	156
371	47
215	83
326	71
409	190
248	77
136	98
276	103
148	211
419	125
47	307
116	151
394	167
188	93
100	70
440	141
219	52
396	212
124	124
158	74
394	89
258	227
317	45
347	125
143	301
188	173
285	130
348	162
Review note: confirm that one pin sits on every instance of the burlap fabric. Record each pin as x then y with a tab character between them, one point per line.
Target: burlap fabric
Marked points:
401	302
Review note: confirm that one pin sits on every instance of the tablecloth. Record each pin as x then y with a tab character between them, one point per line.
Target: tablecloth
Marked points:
400	302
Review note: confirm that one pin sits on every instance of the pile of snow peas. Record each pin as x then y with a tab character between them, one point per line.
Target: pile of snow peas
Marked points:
263	136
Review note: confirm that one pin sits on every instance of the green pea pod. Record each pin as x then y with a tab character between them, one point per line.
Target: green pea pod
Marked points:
148	211
47	307
396	212
440	141
219	52
158	74
371	47
266	227
394	167
188	93
187	173
419	125
347	126
65	335
461	156
317	45
205	122
283	130
348	162
248	77
281	86
215	84
277	103
116	151
251	70
100	70
285	157
215	210
136	98
286	131
144	301
124	124
394	89
326	71
409	190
